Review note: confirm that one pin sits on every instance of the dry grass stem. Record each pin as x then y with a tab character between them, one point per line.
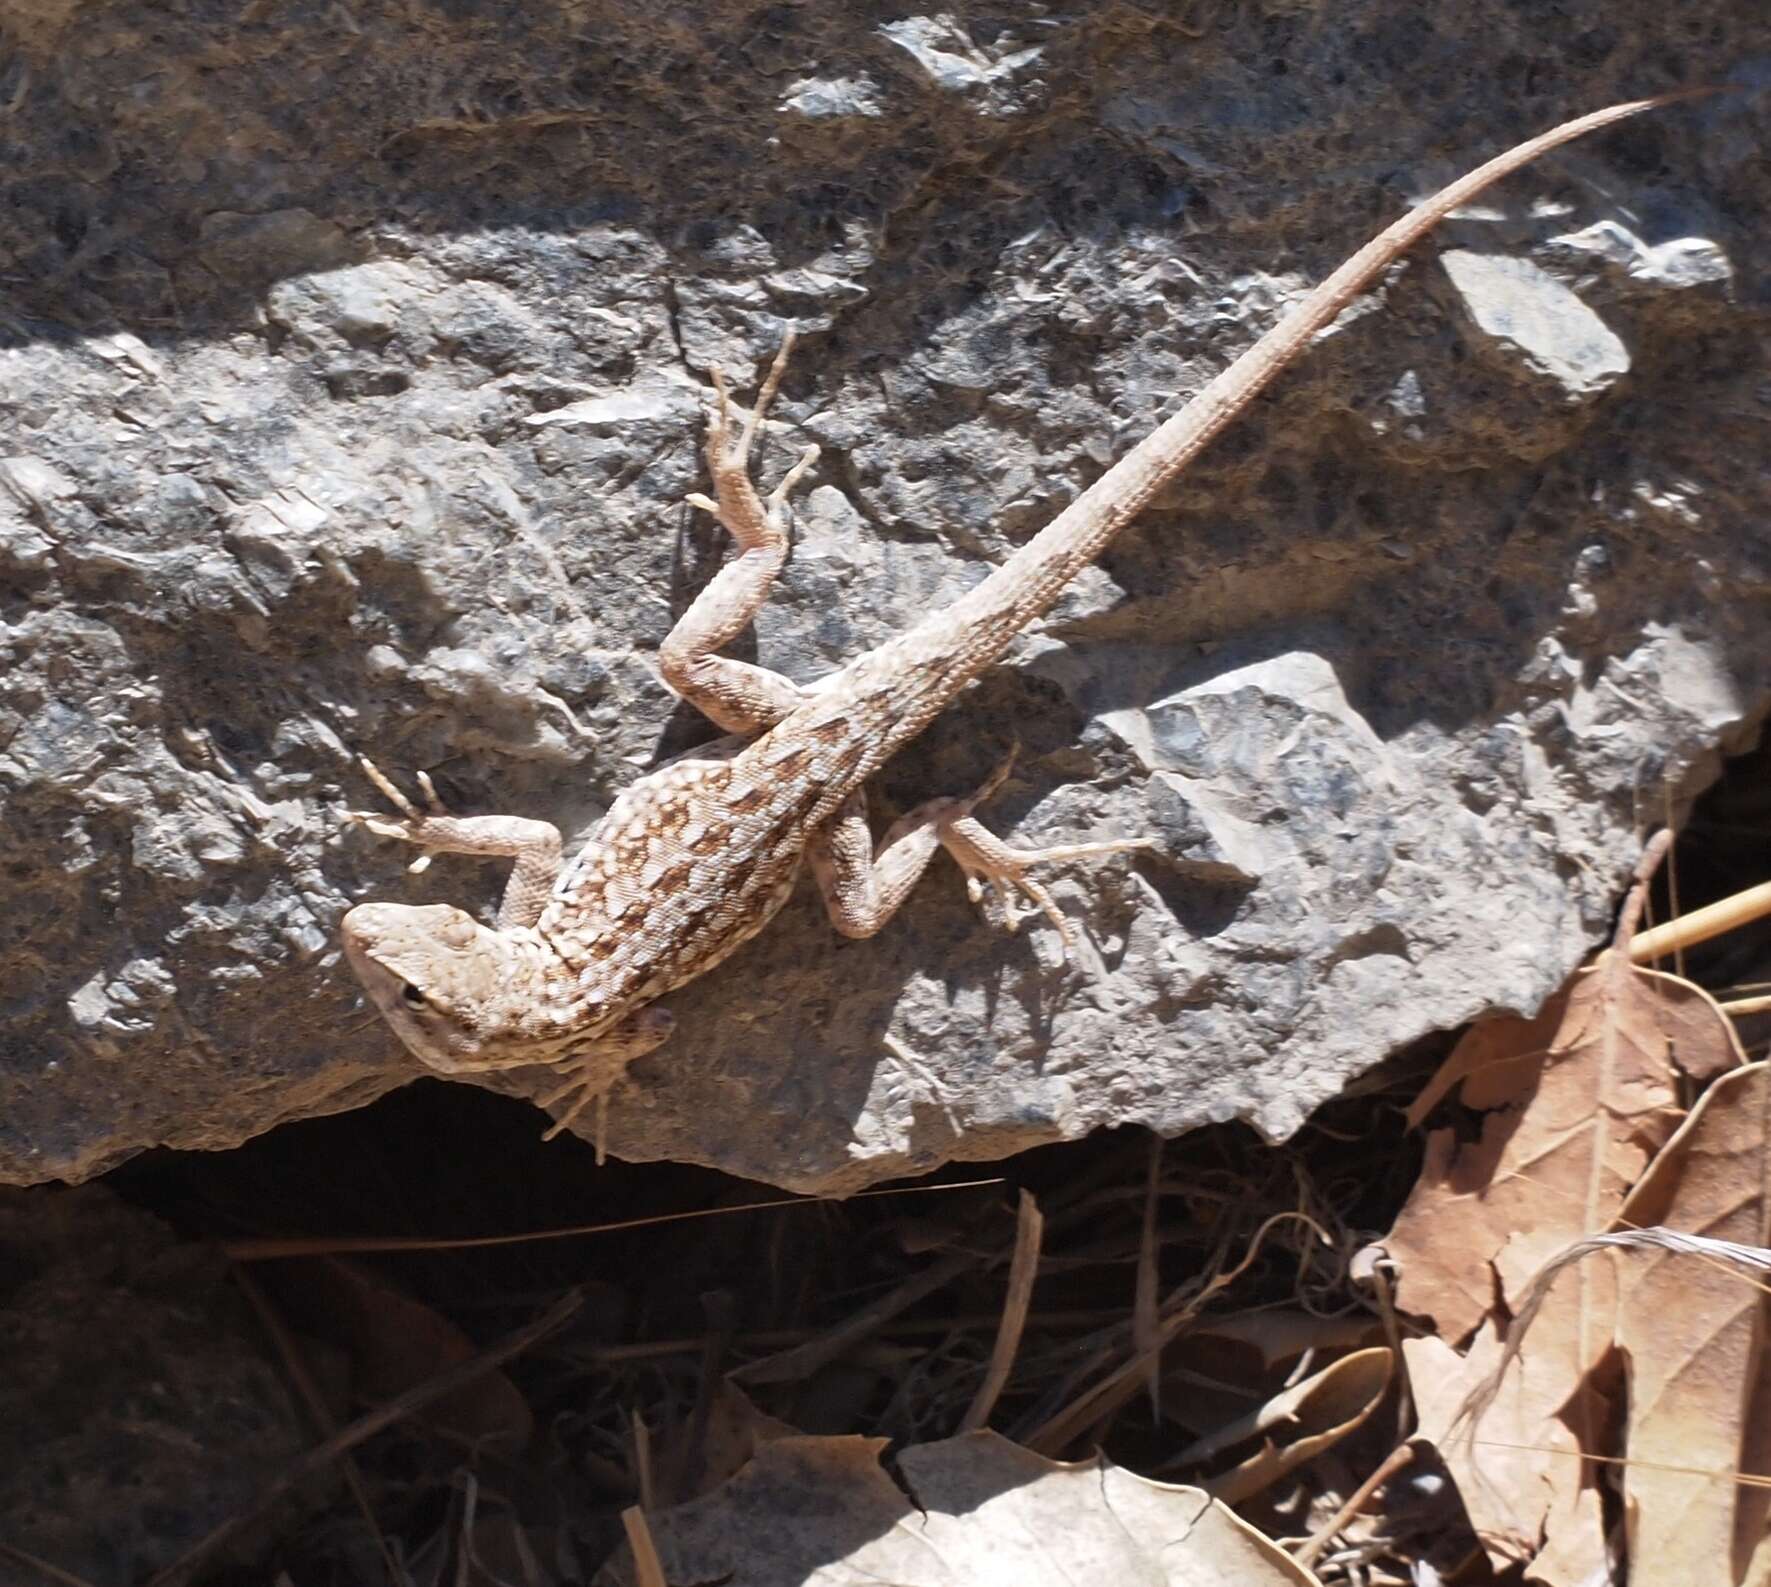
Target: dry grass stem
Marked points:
803	1360
648	1569
42	1567
365	1427
1023	1269
1397	1460
1747	1005
261	1249
314	1403
1702	924
1122	1383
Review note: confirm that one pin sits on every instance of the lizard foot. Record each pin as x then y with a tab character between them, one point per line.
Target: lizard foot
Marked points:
595	1070
415	825
996	871
728	455
535	845
587	1093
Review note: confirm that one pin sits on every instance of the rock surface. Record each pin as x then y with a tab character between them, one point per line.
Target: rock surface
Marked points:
350	373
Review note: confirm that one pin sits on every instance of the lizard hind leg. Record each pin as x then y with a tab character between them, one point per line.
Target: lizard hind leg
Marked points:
995	870
864	886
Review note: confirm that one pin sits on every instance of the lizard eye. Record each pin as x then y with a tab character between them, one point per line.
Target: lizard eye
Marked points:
412	997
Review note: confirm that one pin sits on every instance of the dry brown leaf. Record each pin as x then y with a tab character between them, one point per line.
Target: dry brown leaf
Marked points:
982	1512
1518	1470
395	1342
1582	1096
732	1432
1588	1107
1585	1096
1694	1337
1496	1060
1282	1333
1299	1423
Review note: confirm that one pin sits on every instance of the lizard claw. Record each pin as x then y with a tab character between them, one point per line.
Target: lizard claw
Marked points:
433	805
410	826
733	453
588	1091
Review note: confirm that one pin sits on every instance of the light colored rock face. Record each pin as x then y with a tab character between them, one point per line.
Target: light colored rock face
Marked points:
1534	324
349	392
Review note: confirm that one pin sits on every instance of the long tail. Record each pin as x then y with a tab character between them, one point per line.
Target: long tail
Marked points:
912	677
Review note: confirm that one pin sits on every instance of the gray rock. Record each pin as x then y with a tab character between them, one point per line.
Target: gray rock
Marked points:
1679	262
956	64
824	99
1531	319
349	394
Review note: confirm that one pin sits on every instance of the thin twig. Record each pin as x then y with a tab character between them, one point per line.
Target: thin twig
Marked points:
259	1249
1630	916
1672	875
325	1423
1702	924
648	1569
1022	1270
1743	1479
1144	1320
1397	1459
322	1455
54	1573
1120	1384
790	1365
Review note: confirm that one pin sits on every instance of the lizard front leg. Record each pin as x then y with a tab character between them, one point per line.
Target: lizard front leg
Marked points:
597	1066
740	697
863	887
533	845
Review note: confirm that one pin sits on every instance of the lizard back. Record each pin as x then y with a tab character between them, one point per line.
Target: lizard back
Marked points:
687	866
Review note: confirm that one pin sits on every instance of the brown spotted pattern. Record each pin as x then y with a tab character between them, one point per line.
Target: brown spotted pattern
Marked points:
687	866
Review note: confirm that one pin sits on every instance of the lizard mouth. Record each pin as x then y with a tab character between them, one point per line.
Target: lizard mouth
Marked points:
357	933
407	1008
428	1015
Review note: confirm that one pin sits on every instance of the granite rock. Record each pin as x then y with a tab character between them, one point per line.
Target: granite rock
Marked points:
350	377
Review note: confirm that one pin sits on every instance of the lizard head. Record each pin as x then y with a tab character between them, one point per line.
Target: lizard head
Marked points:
454	991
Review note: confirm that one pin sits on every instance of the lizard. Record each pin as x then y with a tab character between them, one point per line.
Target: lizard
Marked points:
695	857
